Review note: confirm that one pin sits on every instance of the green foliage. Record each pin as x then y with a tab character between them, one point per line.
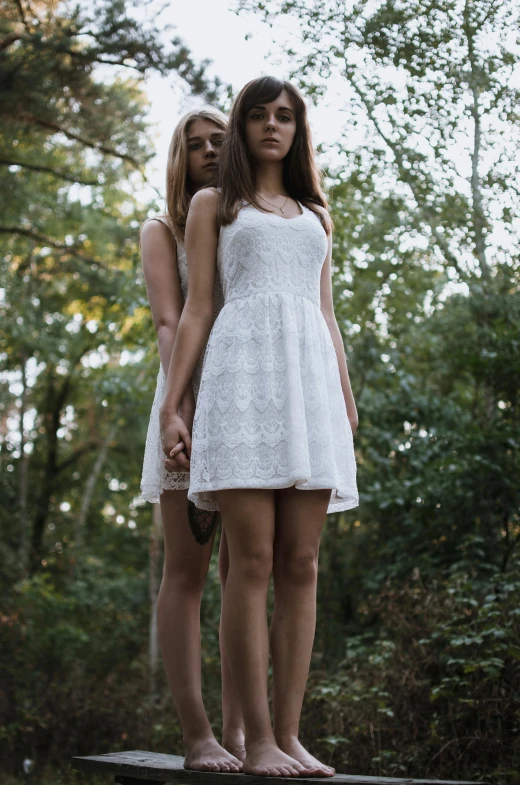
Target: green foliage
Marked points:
76	319
72	660
76	676
416	665
433	691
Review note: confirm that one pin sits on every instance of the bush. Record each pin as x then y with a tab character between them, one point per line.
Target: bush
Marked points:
435	692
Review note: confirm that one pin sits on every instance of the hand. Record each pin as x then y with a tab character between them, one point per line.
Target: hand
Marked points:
176	442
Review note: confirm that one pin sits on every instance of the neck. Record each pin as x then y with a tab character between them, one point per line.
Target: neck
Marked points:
269	179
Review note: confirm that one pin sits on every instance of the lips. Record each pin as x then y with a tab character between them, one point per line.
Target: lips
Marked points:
211	165
270	141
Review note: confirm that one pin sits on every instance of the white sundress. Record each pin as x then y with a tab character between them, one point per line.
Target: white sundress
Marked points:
155	479
270	411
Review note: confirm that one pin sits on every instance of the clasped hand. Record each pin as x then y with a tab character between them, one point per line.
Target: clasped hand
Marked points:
176	442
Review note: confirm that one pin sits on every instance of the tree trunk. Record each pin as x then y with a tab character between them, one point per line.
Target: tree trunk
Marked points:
22	479
52	424
154	583
55	401
79	525
479	220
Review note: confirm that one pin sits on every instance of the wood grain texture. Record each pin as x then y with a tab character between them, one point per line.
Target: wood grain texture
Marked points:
158	767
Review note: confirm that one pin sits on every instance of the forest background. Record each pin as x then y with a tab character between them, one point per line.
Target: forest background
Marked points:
416	668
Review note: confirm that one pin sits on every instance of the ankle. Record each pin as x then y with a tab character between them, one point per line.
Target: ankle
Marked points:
191	740
284	739
235	732
254	742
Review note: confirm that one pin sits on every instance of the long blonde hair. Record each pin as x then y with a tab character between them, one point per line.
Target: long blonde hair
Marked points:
177	195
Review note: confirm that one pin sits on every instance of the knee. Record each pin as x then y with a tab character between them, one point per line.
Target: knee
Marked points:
184	577
297	566
254	567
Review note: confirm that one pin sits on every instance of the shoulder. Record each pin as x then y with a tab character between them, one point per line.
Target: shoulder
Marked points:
156	226
204	210
205	199
324	213
323	216
156	236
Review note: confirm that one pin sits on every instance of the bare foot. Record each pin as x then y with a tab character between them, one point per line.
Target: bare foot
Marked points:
266	759
208	755
291	746
233	742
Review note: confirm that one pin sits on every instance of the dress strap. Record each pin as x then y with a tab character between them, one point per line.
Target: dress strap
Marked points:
161	218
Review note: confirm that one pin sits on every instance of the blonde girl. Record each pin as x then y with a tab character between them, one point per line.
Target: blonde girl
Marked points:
188	533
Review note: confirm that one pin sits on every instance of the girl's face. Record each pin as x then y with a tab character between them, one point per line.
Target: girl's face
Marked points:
270	129
204	141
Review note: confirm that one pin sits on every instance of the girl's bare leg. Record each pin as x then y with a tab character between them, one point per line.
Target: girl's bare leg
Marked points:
232	721
178	625
248	518
300	516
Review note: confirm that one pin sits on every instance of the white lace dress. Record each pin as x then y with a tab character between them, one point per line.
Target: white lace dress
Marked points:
155	479
271	411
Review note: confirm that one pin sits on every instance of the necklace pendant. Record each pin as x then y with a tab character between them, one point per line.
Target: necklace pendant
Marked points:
282	211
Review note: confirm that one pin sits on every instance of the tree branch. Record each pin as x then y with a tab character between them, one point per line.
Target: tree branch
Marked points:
19	6
48	170
25	117
76	455
41	238
10	39
427	214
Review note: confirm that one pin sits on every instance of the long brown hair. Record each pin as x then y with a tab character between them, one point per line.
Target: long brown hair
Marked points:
178	197
301	176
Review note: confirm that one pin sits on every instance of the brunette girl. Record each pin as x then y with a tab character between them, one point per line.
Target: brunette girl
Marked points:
272	440
188	532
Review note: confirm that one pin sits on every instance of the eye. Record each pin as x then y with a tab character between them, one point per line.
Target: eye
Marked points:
256	116
284	118
218	142
193	146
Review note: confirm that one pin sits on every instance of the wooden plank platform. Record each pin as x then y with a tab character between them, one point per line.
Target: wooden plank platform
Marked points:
137	766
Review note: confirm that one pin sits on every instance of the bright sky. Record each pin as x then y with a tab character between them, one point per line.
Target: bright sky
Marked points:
212	31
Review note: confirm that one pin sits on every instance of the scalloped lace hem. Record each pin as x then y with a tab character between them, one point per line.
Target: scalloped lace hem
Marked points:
340	500
152	492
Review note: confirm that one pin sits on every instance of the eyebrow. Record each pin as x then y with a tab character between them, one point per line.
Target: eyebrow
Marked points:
198	138
280	108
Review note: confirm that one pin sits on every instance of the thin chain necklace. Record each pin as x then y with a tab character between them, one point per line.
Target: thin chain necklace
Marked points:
274	205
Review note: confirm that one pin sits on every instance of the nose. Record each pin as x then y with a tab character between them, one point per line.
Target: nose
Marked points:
209	150
270	123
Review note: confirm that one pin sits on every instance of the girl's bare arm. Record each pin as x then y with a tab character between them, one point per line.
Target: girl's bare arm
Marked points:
198	315
159	259
327	309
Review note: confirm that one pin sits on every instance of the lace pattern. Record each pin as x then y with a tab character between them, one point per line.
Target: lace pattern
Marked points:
270	411
202	523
